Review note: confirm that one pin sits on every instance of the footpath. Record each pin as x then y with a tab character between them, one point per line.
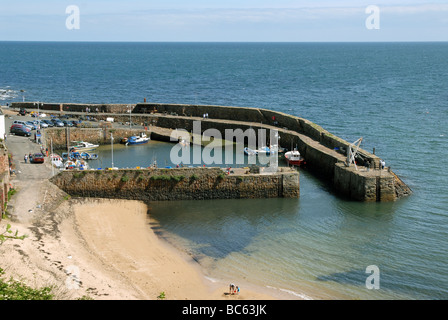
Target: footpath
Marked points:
30	180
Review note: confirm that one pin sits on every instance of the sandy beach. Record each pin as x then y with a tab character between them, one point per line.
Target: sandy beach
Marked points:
105	250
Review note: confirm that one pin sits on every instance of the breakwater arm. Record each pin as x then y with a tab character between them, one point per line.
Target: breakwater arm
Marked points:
177	184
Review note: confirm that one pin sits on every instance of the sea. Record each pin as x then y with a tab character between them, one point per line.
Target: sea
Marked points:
320	246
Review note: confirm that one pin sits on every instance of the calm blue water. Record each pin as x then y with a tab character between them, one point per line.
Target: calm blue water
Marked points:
395	95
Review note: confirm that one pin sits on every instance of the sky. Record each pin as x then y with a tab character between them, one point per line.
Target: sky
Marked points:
224	21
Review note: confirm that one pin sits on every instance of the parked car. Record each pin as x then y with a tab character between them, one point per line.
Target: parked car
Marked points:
67	123
76	123
22	112
48	122
31	124
57	122
20	130
37	158
40	123
23	123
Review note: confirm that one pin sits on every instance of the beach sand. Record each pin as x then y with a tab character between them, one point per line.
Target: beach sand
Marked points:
106	250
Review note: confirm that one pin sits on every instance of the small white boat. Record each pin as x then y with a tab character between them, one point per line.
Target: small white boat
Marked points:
76	164
184	142
250	152
82	165
294	158
69	165
82	146
265	150
56	160
141	139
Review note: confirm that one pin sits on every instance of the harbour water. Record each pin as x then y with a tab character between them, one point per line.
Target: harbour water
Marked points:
394	95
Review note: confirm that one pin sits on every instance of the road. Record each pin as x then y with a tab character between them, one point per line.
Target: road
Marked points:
30	180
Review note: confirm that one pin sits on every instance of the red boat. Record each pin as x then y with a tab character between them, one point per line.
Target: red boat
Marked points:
294	158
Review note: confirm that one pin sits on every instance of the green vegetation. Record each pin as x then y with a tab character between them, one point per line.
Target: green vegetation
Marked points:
163	178
194	177
9	234
221	176
79	174
11	192
178	178
124	178
16	290
161	296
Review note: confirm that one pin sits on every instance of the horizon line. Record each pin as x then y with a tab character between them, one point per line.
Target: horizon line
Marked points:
236	41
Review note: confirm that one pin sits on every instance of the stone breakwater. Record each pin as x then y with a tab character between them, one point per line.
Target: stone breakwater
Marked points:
177	184
324	152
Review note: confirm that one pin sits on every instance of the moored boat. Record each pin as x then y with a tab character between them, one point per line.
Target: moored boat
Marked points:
265	150
140	139
250	152
76	164
294	158
83	146
56	160
89	156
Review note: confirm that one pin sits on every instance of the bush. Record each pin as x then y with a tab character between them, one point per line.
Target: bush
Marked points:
178	178
15	290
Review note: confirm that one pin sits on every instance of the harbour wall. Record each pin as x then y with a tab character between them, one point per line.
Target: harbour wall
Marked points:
59	137
177	184
324	152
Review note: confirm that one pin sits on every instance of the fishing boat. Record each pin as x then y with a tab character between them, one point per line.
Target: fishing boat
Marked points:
83	146
294	158
141	139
